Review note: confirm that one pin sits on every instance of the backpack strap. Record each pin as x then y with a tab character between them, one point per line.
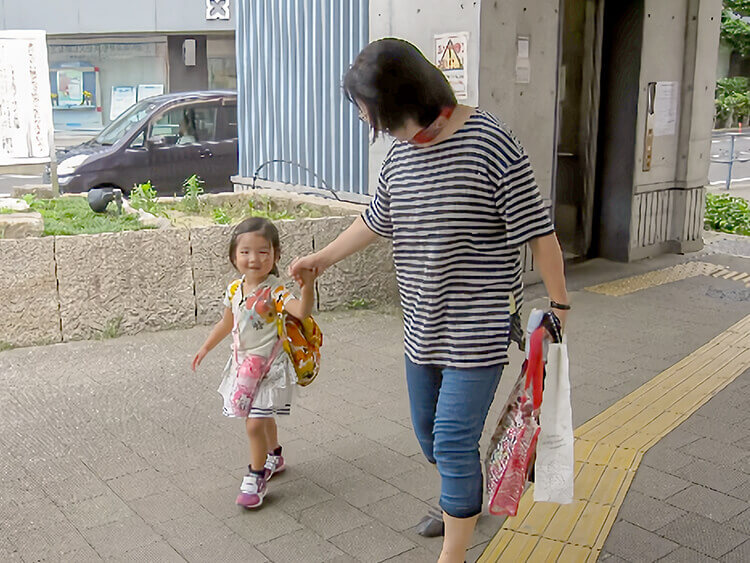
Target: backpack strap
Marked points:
233	287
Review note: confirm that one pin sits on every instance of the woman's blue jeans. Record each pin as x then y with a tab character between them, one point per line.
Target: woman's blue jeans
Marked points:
448	410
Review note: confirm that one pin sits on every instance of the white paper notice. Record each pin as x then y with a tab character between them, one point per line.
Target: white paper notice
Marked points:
122	98
666	105
25	103
149	90
451	53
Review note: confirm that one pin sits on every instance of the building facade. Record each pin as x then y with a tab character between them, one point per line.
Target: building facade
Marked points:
103	56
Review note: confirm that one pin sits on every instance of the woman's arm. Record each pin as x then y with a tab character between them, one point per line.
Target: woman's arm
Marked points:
353	239
220	331
548	258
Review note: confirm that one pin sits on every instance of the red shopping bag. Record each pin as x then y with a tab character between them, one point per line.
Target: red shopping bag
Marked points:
511	452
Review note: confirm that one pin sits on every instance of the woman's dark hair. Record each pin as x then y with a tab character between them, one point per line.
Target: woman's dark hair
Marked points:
394	81
256	225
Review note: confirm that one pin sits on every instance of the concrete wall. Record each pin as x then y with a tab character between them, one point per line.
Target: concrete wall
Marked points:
69	288
183	78
529	109
108	16
680	41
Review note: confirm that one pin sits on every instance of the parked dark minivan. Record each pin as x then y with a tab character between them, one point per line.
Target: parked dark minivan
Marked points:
164	139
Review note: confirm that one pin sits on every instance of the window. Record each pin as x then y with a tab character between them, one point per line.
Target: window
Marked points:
139	141
124	124
228	125
186	124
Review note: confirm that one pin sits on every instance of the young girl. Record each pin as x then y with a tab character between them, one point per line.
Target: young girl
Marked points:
250	315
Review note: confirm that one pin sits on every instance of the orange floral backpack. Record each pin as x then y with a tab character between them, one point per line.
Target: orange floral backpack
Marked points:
302	341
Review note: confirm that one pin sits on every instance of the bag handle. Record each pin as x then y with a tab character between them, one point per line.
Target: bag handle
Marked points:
535	365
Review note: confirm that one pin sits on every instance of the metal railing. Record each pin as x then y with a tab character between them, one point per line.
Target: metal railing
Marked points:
729	155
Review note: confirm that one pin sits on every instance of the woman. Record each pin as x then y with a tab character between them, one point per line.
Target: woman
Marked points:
457	195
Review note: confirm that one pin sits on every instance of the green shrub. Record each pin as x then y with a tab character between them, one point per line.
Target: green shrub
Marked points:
192	189
143	196
727	214
220	216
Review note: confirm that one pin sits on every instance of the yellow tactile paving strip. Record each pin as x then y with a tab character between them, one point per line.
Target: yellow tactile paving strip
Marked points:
625	286
609	449
728	274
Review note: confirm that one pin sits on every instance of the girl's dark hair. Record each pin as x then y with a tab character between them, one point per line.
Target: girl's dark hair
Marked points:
394	81
256	225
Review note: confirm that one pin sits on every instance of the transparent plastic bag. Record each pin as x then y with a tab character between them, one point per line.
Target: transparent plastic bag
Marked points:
511	452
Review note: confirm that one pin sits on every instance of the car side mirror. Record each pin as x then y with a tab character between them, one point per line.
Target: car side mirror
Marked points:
156	142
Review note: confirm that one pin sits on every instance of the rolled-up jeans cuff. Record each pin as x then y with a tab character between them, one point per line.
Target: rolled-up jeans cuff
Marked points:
462	513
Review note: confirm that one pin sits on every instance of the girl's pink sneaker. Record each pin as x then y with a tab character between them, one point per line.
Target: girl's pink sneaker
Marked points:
274	464
252	491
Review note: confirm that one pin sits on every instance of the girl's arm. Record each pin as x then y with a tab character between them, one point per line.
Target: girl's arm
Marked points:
549	260
217	334
353	239
302	308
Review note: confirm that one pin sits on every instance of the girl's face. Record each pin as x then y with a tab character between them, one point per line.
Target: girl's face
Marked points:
255	257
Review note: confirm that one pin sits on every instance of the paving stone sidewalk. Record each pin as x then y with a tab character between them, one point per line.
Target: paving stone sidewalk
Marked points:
115	450
690	500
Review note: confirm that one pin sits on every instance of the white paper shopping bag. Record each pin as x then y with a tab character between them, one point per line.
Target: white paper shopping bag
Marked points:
553	481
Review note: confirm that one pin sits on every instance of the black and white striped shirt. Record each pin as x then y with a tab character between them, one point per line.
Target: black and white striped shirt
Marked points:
459	212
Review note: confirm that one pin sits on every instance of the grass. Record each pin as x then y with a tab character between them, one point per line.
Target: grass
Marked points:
229	213
7	211
73	216
111	329
359	303
5	346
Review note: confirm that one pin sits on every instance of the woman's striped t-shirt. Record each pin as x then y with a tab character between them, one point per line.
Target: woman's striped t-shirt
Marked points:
459	212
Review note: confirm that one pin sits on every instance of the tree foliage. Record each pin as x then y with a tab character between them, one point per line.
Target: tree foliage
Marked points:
735	32
732	101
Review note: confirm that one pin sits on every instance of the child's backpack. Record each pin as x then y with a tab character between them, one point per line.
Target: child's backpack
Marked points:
302	341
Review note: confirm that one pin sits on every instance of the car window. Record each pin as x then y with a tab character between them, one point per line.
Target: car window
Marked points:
185	125
228	121
139	141
205	122
125	123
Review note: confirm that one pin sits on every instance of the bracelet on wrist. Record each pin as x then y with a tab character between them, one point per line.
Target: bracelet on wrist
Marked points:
560	306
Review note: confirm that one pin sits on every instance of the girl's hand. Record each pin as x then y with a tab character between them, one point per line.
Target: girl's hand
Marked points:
199	358
306	277
310	267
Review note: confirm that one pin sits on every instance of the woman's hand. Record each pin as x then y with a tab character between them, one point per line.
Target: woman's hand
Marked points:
306	269
353	239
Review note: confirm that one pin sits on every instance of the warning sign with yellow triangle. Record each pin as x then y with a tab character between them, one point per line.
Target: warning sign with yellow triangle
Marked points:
450	59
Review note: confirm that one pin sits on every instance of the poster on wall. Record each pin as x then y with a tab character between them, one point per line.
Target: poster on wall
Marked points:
69	87
149	90
451	51
25	104
122	98
666	104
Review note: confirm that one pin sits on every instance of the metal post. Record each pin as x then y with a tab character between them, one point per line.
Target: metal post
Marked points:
731	160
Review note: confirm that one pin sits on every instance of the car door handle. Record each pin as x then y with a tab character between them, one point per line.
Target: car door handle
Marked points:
206	153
